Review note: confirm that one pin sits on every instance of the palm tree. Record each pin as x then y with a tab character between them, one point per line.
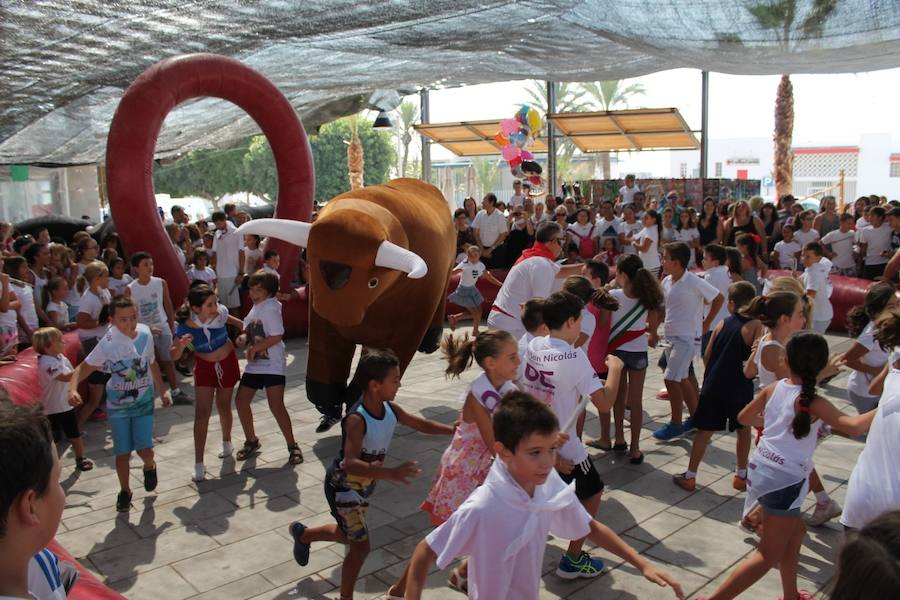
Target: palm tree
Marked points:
407	116
487	173
355	157
779	16
610	95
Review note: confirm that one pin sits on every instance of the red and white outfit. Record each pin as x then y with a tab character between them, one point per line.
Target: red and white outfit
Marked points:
532	276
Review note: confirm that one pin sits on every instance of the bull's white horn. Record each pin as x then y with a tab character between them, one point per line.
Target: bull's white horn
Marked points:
295	232
392	256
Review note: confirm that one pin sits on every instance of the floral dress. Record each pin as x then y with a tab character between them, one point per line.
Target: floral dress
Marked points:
467	460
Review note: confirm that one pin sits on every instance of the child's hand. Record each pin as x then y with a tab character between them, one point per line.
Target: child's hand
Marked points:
284	296
406	472
156	331
662	579
184	340
4	278
614	363
561	439
652	340
75	399
166	398
241	340
564	466
252	352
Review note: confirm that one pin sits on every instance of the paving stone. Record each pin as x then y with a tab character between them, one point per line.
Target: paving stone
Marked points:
159	584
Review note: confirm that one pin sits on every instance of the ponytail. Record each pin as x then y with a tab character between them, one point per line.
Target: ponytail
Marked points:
877	298
461	351
887	328
807	355
604	300
769	308
196	296
643	284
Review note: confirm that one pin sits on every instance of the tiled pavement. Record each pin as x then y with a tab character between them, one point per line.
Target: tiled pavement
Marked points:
227	537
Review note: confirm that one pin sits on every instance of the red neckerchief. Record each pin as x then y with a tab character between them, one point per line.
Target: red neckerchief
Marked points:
538	249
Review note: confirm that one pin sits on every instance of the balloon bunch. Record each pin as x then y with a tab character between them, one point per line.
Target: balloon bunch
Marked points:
515	137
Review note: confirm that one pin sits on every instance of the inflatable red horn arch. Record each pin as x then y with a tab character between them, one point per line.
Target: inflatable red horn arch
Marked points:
132	142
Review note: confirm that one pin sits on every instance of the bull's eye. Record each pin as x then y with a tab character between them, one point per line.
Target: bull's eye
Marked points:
373	283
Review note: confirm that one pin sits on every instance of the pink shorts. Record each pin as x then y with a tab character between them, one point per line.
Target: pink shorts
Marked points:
221	374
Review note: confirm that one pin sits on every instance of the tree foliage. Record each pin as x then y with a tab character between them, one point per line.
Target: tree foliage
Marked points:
250	166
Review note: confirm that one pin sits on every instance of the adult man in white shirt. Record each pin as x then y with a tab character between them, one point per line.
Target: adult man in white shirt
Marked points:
531	277
490	229
628	190
228	260
608	225
875	244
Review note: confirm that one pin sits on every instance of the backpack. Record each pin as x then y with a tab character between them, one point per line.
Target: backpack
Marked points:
585	244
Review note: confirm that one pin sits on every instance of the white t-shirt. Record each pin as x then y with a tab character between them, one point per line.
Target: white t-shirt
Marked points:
608	229
650	257
805	237
470	272
684	304
44	581
62	313
149	299
628	193
581	231
560	375
227	245
206	274
117	286
621	318
842	245
130	389
588	325
874	486
688	236
92	304
630	229
818	279
26	309
54	393
787	253
861	223
489	226
264	320
504	532
719	278
523	350
517	200
878	240
252	259
531	278
858	382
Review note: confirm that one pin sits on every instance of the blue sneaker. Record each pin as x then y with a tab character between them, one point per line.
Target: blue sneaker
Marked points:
688	425
301	550
585	566
668	431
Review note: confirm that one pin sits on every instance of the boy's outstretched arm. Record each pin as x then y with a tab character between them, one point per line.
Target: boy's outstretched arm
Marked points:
607	539
421	561
420	423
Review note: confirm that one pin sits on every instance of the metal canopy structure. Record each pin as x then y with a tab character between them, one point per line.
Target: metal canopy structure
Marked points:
471	138
637	129
607	131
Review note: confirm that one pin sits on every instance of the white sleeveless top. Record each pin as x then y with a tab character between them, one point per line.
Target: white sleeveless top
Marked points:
149	301
778	446
489	397
766	377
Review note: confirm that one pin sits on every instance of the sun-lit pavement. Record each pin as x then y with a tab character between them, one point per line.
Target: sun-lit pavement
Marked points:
227	537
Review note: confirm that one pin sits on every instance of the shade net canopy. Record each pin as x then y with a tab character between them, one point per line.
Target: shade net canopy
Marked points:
65	63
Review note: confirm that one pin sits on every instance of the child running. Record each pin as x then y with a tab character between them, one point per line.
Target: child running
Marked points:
466	294
560	374
503	526
778	477
126	352
351	478
262	340
726	391
54	373
467	460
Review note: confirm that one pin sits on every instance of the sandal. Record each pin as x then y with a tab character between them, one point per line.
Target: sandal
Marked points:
637	460
250	448
595	443
458	582
620	448
295	455
84	464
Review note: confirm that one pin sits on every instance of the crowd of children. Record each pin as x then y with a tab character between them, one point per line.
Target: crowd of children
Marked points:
516	468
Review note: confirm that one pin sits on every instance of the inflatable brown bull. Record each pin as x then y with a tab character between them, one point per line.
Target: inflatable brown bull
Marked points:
379	260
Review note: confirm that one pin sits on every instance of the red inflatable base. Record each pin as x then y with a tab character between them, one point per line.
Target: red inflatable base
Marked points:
20	380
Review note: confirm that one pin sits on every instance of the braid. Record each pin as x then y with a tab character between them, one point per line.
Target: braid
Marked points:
802	421
807	355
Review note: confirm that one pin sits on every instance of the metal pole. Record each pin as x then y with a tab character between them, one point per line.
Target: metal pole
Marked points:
425	117
551	139
704	125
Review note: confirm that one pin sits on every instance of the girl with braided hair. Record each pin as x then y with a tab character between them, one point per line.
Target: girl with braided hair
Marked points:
780	466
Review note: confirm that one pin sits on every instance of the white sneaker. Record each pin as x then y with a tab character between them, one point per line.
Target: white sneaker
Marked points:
199	472
824	513
227	450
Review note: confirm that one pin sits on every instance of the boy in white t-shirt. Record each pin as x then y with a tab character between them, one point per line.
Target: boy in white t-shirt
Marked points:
264	348
560	374
817	283
533	322
787	251
686	294
228	255
839	247
715	263
875	244
503	526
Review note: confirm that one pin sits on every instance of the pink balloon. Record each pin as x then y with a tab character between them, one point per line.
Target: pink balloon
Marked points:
526	155
510	152
508	126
